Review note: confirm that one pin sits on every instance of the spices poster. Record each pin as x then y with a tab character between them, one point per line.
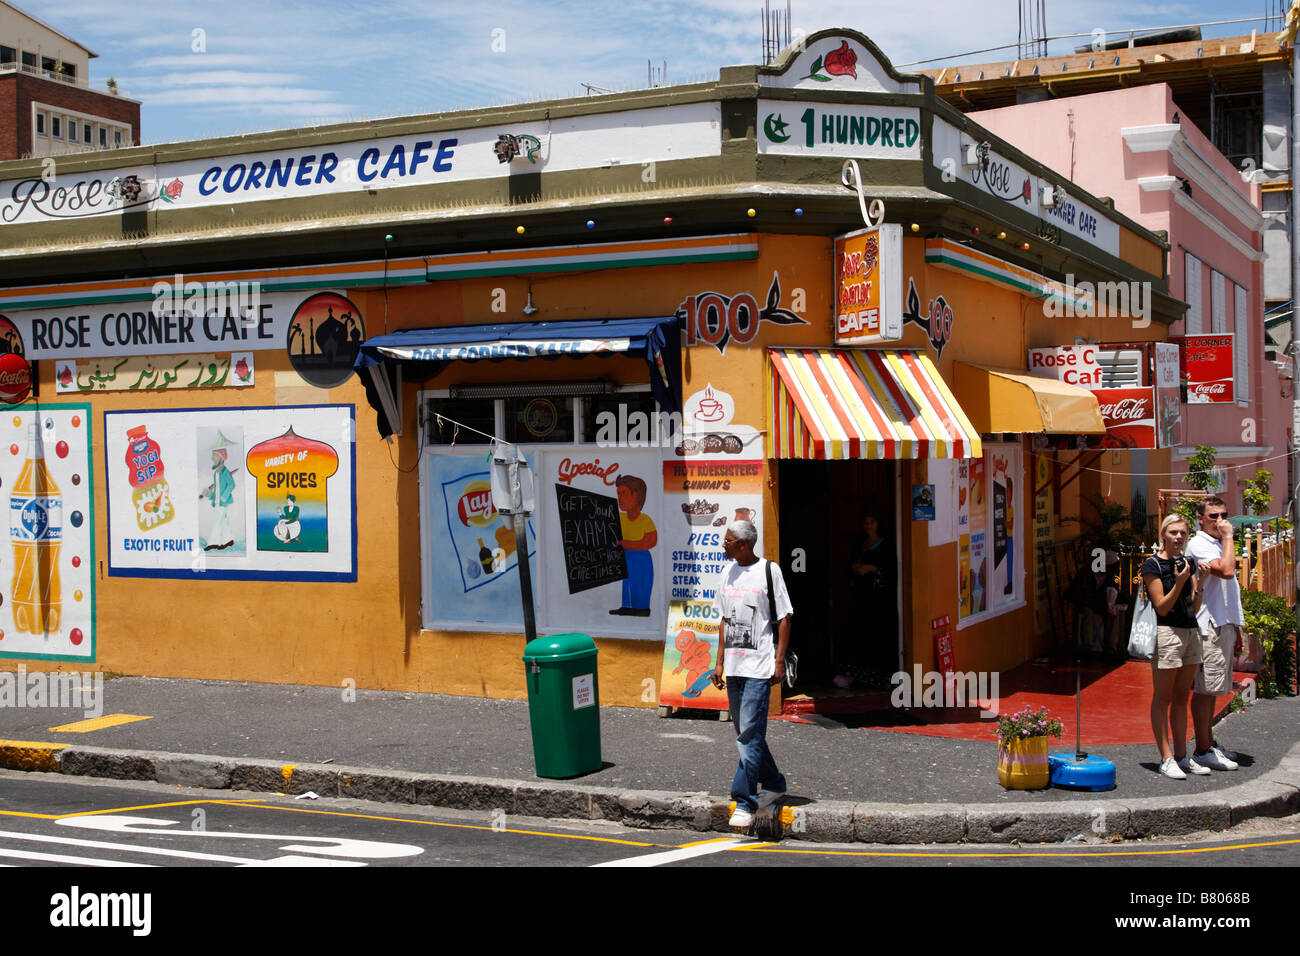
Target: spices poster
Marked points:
690	654
232	493
47	584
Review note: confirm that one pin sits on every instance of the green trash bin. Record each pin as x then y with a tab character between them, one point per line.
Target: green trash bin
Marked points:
563	704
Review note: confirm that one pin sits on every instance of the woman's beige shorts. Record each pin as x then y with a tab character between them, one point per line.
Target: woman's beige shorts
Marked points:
1176	647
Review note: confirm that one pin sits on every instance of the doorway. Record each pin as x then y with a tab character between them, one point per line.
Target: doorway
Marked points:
821	509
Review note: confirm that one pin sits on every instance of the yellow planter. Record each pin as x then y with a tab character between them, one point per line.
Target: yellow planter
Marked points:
1023	764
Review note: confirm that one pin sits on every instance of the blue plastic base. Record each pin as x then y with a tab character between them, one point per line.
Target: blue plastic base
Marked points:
1090	773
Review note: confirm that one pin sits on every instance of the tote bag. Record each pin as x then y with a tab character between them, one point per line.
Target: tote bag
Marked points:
1142	635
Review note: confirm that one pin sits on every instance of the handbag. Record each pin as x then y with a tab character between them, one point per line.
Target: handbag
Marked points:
1142	634
791	658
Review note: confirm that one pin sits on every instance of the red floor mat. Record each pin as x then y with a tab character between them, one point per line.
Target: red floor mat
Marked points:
1115	704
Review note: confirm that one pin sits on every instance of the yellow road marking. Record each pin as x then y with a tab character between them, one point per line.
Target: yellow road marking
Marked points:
97	723
454	826
683	846
772	848
31	743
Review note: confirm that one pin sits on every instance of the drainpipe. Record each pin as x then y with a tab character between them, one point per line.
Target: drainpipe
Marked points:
1292	20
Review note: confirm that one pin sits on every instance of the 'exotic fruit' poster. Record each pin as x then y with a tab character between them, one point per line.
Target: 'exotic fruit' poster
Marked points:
237	493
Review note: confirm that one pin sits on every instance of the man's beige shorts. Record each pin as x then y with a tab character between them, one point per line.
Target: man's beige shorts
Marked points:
1215	673
1176	647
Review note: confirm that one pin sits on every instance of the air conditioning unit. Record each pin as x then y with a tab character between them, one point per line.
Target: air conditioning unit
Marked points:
1050	196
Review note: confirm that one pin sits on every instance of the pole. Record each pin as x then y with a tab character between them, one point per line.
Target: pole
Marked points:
521	546
1295	275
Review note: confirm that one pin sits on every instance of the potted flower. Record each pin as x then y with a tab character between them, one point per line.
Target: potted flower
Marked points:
1022	748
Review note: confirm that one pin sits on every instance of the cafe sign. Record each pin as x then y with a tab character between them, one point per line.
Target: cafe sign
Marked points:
1207	368
1072	364
868	284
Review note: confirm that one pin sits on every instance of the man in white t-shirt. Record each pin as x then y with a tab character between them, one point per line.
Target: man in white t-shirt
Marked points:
751	659
1218	620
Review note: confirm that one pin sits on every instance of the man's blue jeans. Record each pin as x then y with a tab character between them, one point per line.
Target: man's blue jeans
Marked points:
748	697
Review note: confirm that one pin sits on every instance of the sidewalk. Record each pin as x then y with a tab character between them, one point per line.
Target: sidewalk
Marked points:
851	780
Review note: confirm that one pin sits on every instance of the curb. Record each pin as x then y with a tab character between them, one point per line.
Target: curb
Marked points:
1275	794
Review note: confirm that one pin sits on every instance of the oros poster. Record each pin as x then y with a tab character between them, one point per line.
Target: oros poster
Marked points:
234	493
47	583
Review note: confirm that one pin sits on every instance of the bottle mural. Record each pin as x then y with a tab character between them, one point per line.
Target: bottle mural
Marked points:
36	532
150	492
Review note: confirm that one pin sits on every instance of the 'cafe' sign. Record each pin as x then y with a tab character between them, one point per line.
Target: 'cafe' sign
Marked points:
869	286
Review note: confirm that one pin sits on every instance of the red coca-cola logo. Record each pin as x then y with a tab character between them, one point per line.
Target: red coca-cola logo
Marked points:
15	378
1210	388
1126	410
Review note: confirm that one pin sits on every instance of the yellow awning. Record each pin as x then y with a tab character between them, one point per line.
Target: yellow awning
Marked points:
1000	400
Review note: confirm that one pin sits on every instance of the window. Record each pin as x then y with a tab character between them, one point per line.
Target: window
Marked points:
72	131
991	570
86	133
56	129
117	137
1192	294
469	552
1218	299
103	136
8	54
40	124
1240	346
29	59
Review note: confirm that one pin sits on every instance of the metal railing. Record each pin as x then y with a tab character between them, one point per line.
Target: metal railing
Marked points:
13	66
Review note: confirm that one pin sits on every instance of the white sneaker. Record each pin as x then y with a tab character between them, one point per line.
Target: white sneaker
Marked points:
1216	759
1188	765
741	818
1228	754
1169	767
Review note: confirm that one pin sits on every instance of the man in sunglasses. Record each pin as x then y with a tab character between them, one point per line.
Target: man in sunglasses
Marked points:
1219	620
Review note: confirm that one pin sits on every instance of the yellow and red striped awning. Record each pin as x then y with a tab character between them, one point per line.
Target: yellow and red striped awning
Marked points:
864	403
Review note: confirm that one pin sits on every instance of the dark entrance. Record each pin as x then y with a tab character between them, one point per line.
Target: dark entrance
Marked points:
821	506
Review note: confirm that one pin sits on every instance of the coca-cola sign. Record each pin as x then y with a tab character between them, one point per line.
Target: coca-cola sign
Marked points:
1207	368
1129	416
15	378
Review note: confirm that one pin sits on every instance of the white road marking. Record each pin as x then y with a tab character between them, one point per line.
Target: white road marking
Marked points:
685	853
324	845
55	858
699	737
100	845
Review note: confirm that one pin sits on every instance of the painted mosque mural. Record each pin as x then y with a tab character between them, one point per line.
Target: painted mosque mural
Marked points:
324	339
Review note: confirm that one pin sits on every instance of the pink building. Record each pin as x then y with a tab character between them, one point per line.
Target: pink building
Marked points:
1165	174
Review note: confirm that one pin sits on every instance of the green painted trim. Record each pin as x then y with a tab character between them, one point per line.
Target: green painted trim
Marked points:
296	286
1001	279
522	269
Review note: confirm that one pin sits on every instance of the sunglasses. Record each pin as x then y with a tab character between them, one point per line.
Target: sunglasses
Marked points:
1217	515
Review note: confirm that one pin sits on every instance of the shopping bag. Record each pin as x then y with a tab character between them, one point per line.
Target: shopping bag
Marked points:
1142	635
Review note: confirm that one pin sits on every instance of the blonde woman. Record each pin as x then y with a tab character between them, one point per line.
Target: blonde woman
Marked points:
1173	583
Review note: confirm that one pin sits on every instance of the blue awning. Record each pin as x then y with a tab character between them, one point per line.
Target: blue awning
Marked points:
655	339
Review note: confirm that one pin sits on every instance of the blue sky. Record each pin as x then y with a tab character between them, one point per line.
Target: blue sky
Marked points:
284	63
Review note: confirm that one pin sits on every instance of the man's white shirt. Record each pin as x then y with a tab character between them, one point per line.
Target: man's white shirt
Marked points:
742	604
1220	597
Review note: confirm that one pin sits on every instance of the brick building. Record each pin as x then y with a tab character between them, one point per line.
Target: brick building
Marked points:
47	107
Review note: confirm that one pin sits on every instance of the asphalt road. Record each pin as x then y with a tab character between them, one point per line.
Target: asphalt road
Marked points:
117	837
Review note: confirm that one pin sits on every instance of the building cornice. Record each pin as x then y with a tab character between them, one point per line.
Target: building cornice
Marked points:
1170	138
1172	184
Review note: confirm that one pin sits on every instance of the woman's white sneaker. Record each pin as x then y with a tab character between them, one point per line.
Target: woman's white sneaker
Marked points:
1169	767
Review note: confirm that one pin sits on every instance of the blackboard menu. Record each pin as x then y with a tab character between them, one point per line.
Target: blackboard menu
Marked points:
592	536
